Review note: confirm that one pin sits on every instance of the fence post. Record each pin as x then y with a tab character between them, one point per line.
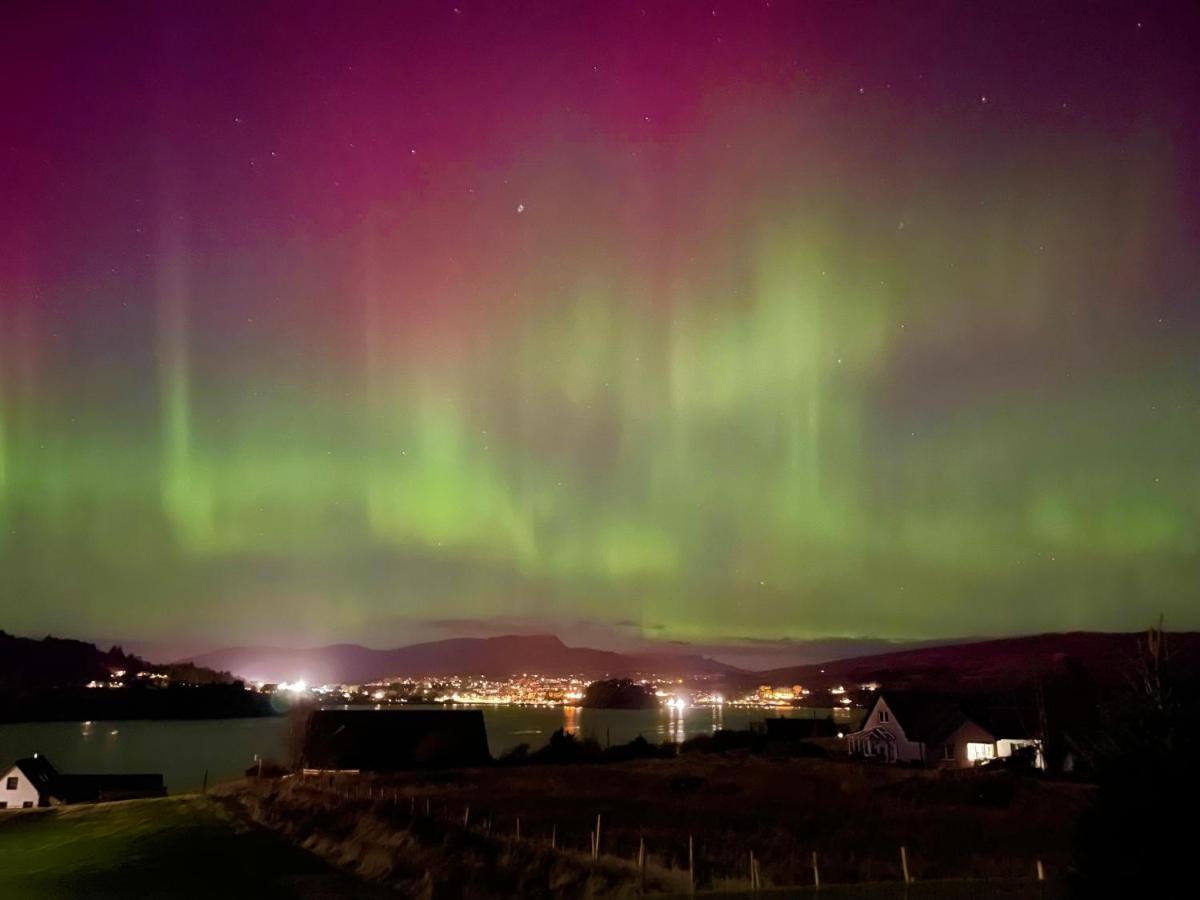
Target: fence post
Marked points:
904	864
518	828
691	866
596	851
204	789
642	864
467	816
816	873
1041	871
554	836
753	884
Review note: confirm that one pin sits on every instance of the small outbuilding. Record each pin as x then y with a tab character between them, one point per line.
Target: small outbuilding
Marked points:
388	740
786	728
103	788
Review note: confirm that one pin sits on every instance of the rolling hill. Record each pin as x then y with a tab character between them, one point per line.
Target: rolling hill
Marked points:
996	664
496	656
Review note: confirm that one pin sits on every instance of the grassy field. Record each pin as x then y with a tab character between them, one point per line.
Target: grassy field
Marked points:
171	847
967	834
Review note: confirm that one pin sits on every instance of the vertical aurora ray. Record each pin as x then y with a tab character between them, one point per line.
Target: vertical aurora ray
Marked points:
4	413
185	492
18	398
3	436
380	415
10	374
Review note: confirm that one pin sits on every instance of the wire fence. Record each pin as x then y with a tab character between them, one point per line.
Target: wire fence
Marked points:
681	858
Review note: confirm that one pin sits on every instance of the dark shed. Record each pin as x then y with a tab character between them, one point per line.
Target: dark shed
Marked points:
385	740
788	729
100	788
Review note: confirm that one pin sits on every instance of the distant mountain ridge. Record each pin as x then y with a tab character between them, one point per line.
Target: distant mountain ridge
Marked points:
974	665
543	654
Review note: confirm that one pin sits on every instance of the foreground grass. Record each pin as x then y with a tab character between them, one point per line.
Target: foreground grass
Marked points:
170	847
974	834
430	857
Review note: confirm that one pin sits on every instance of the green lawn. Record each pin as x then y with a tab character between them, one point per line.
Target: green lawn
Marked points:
171	847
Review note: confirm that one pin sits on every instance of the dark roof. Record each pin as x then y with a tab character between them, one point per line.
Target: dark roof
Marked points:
39	771
386	739
1003	721
925	717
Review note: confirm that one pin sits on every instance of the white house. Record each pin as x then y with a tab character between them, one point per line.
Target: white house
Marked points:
27	783
939	730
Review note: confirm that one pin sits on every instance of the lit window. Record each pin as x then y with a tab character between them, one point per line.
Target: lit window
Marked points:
977	752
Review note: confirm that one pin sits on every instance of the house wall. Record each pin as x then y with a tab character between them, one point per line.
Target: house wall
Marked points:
906	750
1006	746
967	733
25	792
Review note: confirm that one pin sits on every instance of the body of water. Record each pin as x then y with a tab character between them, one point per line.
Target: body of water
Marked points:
224	748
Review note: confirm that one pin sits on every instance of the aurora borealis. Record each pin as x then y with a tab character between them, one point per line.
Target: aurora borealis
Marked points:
709	321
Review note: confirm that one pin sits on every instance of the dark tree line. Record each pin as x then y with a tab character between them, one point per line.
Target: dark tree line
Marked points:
1138	837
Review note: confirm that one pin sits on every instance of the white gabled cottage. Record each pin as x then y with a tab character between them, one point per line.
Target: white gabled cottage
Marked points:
939	730
27	783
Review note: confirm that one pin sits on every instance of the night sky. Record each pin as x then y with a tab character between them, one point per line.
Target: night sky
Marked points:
698	321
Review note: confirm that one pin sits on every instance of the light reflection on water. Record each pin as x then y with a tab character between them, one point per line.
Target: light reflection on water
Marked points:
675	730
224	748
509	726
